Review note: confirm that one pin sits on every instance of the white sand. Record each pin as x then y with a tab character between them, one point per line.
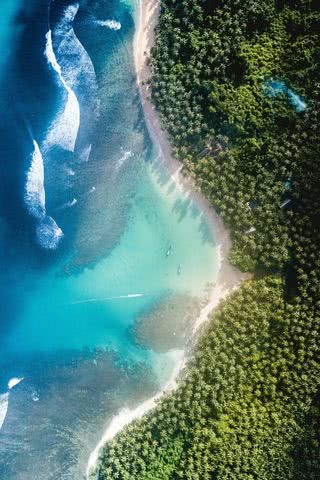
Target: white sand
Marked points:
228	278
126	415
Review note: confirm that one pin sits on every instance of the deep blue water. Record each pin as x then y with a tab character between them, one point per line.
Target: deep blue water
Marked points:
93	234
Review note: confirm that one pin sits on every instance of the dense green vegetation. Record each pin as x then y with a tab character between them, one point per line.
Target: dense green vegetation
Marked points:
248	407
237	412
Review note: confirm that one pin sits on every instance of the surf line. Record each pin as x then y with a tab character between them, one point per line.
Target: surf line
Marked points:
104	299
73	66
48	233
65	128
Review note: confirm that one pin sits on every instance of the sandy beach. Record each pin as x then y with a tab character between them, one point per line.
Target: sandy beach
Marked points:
228	278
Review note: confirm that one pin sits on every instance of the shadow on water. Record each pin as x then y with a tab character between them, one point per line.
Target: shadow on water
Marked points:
184	206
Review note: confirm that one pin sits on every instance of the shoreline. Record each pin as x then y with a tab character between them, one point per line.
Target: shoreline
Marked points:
127	415
228	278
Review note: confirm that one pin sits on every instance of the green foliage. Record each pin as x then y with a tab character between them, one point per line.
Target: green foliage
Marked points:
306	455
209	65
263	54
237	413
248	407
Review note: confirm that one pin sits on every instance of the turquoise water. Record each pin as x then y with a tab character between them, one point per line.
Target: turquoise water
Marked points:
166	231
8	28
276	87
130	240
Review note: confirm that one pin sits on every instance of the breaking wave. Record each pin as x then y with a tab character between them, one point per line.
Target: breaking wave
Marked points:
4	403
35	197
4	399
64	129
14	381
47	231
71	62
49	234
73	58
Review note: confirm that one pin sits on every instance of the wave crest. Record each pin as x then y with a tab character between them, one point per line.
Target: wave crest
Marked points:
4	399
4	403
64	130
35	196
14	381
47	231
74	68
49	234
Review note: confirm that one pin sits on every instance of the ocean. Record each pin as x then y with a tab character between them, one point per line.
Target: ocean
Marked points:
103	261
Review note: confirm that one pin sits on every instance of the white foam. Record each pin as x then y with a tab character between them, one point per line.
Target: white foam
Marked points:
70	172
4	399
35	396
69	204
104	299
4	402
49	234
34	190
71	62
126	155
112	24
47	231
126	415
74	60
64	130
14	381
